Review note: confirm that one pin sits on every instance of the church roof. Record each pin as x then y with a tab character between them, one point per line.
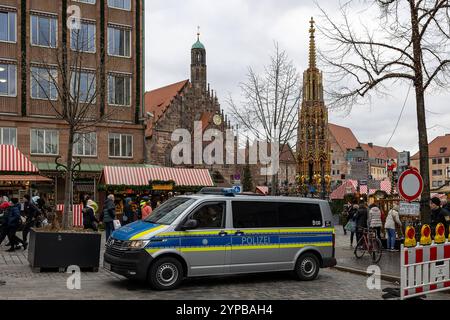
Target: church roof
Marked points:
198	45
344	137
157	101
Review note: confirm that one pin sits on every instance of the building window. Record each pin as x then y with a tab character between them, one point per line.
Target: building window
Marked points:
86	1
439	161
435	184
120	145
120	4
119	42
437	172
339	172
83	87
119	90
434	161
83	39
8	80
447	160
85	144
43	83
7	26
443	150
333	162
8	136
44	31
44	142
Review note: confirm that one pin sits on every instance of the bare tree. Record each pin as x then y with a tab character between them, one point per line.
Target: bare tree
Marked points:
410	43
269	109
72	87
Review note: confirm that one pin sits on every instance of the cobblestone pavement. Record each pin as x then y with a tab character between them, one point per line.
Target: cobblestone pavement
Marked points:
389	263
22	283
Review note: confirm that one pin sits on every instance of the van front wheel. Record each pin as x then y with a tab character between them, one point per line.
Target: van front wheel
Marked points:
166	274
307	267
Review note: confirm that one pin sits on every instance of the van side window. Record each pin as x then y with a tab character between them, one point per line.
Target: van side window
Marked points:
248	214
210	216
299	215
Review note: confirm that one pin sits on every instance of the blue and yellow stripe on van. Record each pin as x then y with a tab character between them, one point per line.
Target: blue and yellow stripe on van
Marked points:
207	241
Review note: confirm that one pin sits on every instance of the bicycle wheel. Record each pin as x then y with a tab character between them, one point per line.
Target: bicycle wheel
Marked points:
360	249
377	250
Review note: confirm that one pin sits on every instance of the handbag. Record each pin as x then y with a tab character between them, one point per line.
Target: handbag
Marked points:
117	224
350	226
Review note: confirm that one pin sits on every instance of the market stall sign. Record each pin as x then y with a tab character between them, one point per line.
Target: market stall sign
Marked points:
409	209
162	187
410	185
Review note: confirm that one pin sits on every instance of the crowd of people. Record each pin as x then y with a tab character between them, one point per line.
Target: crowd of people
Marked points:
16	217
360	217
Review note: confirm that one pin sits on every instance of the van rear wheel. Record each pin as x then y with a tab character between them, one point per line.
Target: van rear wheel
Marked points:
307	267
165	274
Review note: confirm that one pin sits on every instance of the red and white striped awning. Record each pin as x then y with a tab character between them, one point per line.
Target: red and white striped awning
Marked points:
12	160
135	176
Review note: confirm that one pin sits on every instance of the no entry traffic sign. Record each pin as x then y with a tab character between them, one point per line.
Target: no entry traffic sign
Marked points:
410	185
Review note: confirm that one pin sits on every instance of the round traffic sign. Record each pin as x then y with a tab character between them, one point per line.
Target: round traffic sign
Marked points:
410	185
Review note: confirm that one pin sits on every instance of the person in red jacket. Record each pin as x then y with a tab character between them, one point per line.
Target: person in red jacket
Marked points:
146	210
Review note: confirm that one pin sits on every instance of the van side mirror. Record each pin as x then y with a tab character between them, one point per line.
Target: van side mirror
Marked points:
190	225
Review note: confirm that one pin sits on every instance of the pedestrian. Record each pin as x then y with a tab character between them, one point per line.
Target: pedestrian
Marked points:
374	219
13	224
345	215
146	210
4	206
361	221
90	221
109	215
128	213
439	215
31	212
391	221
352	220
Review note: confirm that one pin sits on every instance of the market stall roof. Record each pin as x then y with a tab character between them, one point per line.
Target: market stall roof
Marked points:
350	187
24	178
262	189
12	160
140	176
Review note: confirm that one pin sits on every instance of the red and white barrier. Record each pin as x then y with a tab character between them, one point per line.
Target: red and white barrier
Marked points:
424	269
77	210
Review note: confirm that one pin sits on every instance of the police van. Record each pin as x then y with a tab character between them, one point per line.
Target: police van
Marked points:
218	232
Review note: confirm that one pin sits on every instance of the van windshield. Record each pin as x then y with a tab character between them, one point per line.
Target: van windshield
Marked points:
169	211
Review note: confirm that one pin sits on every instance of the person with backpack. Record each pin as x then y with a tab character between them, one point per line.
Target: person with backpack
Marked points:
109	214
31	212
13	224
89	219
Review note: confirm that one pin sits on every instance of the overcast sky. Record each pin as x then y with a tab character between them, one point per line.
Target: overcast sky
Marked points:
240	33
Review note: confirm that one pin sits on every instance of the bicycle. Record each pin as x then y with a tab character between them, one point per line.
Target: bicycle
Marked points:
369	242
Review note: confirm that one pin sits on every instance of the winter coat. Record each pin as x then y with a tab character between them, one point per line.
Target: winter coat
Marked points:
89	218
374	218
14	216
128	211
392	219
31	210
146	212
109	211
440	215
361	218
352	213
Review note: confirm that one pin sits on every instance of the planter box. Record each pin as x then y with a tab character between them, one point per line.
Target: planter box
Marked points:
64	249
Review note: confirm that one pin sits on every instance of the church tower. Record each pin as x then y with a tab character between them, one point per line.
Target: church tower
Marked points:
314	164
198	65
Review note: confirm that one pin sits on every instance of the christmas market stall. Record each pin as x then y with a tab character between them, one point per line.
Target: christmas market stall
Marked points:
156	184
18	175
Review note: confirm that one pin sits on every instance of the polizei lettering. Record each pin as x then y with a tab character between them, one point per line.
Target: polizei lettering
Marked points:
255	240
186	310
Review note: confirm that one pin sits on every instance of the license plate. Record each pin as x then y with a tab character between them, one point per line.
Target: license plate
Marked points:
107	266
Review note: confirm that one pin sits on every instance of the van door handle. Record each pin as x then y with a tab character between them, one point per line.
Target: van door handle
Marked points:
239	233
223	233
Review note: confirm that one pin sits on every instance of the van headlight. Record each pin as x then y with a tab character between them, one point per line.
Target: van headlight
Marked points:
138	244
